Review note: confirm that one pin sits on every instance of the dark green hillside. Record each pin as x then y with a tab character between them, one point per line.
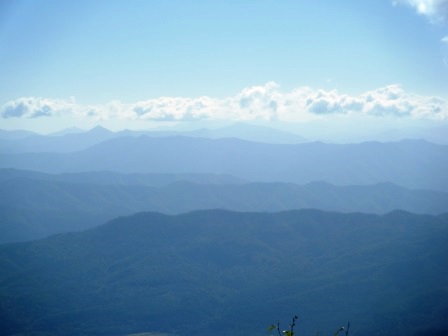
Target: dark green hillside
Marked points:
226	273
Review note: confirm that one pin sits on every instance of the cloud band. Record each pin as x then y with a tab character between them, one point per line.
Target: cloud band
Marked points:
264	102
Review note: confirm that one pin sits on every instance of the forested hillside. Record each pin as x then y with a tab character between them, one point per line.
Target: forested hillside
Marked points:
230	273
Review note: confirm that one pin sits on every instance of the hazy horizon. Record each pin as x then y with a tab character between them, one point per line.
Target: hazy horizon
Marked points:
145	65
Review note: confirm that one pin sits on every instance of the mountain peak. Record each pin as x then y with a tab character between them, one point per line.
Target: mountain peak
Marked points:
99	130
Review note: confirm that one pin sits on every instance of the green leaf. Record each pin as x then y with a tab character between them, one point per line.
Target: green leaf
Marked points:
271	327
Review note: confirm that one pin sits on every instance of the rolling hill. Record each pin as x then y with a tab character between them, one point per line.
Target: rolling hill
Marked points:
231	273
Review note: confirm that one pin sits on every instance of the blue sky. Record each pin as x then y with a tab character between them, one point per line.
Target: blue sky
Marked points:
156	61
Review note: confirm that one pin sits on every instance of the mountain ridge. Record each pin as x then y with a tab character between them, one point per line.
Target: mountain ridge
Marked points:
36	206
155	272
412	164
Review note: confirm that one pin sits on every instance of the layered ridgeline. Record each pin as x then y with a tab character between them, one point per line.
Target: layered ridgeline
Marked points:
35	205
76	139
411	163
226	273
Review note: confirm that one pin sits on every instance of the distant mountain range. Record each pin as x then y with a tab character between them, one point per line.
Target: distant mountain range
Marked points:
411	163
241	131
109	177
72	140
35	205
378	262
277	132
225	273
15	134
64	142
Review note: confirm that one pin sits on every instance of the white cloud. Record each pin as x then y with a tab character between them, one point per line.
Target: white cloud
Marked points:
174	108
263	102
391	100
434	10
260	102
444	40
326	102
256	102
32	107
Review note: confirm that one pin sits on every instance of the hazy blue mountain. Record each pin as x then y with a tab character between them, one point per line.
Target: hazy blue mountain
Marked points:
108	177
180	197
63	143
223	273
240	130
75	139
15	134
437	134
345	131
70	130
248	132
411	163
325	131
32	202
18	223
